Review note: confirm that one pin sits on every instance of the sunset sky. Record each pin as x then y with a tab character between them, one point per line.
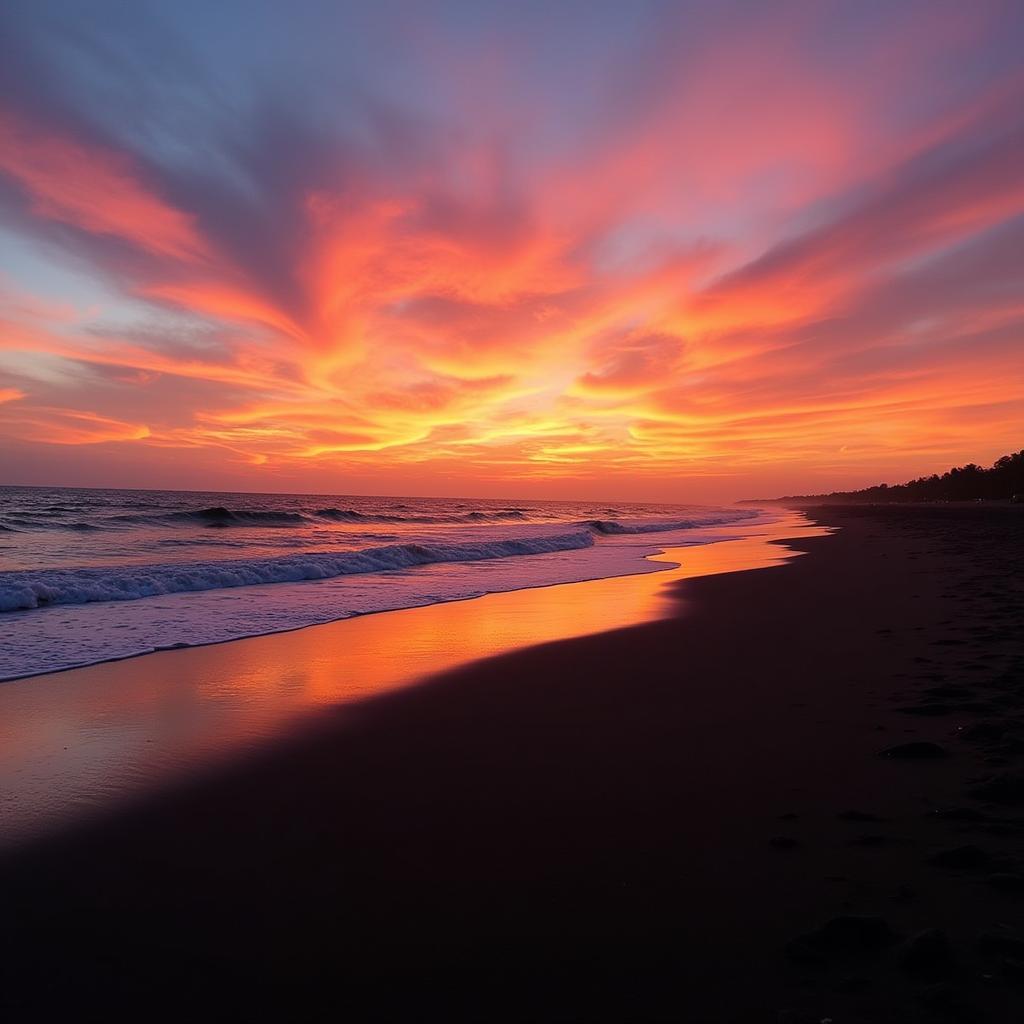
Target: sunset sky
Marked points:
660	251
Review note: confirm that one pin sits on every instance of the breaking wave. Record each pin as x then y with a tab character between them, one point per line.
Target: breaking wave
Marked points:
610	527
46	587
218	516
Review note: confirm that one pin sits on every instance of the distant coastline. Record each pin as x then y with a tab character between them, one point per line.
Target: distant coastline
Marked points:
1002	482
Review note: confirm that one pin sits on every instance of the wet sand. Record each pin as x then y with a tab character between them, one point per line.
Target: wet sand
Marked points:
688	819
83	742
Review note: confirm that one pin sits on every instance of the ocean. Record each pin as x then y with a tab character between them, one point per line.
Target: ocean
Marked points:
91	575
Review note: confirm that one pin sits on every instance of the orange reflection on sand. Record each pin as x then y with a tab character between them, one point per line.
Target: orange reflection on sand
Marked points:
82	740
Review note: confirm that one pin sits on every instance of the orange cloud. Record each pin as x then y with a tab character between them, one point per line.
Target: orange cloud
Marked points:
739	265
68	427
91	189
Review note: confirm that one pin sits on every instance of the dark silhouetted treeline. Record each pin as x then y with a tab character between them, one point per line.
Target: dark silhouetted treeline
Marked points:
1001	482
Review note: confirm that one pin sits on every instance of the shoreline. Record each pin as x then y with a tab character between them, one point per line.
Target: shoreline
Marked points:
120	706
656	822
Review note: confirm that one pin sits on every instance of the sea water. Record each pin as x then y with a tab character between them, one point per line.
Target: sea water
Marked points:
89	575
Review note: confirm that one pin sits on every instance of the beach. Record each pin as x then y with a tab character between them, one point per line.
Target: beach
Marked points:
792	794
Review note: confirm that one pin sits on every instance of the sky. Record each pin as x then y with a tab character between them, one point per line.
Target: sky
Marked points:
655	251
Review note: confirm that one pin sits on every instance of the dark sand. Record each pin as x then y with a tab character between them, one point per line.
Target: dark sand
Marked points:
656	823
